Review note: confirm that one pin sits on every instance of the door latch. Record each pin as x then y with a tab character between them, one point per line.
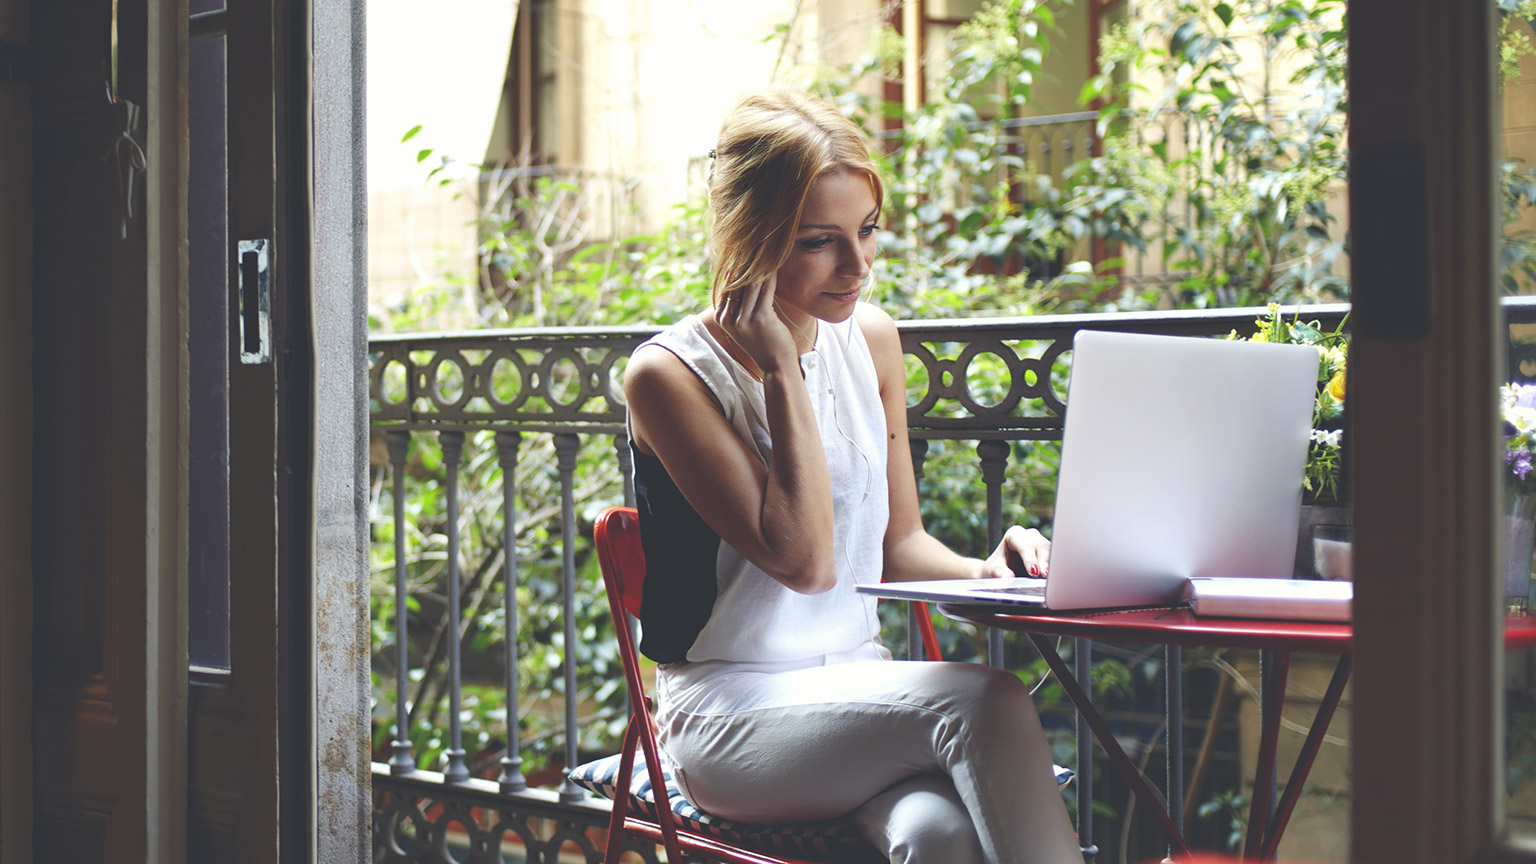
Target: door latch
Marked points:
255	299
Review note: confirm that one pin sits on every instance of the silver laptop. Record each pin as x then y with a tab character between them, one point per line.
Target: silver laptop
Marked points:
1181	458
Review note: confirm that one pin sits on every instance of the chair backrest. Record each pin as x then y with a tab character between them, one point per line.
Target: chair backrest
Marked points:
622	559
619	554
616	534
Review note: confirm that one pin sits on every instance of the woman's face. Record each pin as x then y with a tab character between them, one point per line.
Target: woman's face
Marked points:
833	247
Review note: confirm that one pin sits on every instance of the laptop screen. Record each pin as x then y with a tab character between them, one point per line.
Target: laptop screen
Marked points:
1182	457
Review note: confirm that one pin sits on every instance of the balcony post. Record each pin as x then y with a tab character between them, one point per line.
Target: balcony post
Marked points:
400	759
994	464
507	444
566	446
919	448
455	771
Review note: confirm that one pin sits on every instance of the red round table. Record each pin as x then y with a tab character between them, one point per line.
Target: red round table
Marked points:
1178	627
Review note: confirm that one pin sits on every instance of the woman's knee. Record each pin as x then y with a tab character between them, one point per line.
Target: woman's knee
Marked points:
992	692
933	840
920	821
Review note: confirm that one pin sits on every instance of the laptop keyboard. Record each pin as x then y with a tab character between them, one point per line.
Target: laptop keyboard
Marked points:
1023	590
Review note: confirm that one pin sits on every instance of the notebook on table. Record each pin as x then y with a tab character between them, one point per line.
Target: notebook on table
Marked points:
1181	465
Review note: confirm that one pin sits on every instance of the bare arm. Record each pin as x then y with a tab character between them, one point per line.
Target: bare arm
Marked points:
778	516
910	551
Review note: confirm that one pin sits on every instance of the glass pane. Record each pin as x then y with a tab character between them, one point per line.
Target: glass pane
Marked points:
208	354
1517	80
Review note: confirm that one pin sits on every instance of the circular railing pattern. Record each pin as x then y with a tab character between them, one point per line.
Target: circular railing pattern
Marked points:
998	378
559	381
436	828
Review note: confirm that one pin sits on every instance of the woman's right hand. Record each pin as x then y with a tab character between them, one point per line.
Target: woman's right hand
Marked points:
749	316
778	513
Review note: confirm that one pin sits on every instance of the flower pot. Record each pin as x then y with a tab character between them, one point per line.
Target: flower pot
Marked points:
1520	530
1313	515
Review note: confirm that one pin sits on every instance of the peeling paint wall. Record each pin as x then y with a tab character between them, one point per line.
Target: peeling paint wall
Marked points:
343	787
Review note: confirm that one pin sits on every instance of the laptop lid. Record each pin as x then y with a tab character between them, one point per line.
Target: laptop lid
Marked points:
1182	457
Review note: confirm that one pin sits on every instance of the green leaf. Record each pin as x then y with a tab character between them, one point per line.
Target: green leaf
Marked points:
411	134
1093	88
1224	12
423	154
1182	37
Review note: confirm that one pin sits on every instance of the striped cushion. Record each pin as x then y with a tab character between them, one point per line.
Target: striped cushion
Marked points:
803	839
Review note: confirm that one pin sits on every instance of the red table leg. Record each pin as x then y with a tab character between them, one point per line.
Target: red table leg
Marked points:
1305	759
1112	748
1273	699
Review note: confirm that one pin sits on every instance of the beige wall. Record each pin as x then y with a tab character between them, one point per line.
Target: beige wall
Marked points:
440	66
660	75
1066	66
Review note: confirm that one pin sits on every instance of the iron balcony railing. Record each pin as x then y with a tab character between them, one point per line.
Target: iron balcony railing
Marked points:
989	380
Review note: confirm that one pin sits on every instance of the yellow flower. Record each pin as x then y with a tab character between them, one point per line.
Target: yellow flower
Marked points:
1336	386
1335	356
1259	337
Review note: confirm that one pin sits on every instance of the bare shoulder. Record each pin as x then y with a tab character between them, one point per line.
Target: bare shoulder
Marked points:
659	388
652	366
879	330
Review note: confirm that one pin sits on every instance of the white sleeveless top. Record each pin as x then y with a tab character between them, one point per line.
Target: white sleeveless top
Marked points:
755	618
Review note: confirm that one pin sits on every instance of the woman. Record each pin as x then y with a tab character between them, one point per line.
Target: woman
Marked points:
772	471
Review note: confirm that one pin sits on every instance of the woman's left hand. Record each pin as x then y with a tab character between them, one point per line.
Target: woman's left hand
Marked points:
1023	552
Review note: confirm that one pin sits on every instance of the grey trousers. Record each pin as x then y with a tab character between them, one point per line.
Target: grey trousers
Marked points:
936	762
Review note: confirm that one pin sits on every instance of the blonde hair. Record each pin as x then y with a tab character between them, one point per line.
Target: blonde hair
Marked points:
772	147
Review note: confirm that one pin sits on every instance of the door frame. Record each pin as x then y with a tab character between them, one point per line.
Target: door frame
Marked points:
1427	350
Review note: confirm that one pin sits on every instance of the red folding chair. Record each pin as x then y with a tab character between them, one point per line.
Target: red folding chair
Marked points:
617	536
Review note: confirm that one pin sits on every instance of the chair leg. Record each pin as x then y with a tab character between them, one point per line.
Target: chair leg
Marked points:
925	627
664	817
621	792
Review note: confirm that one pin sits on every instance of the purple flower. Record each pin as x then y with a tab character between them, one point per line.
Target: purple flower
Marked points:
1519	461
1525	395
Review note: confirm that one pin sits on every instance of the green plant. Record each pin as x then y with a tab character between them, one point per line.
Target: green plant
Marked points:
1324	470
1229	807
1240	134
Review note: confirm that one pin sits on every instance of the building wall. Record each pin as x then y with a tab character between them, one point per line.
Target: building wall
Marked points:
658	76
440	66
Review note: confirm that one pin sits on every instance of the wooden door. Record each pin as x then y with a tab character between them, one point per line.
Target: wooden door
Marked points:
236	256
108	654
